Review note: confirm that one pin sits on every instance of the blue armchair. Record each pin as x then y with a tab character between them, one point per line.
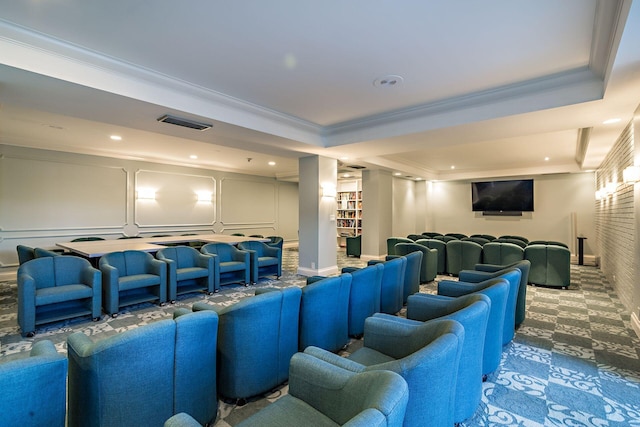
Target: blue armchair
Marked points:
34	388
188	270
265	260
56	288
324	313
472	311
113	383
488	271
232	265
426	355
256	338
364	296
131	277
392	289
512	276
322	394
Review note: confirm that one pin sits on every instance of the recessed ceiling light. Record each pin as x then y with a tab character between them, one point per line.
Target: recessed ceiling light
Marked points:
418	179
453	167
271	163
116	137
397	173
546	159
611	121
389	81
193	156
344	158
346	175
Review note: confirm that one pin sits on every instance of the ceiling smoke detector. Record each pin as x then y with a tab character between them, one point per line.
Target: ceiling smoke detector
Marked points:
187	123
388	81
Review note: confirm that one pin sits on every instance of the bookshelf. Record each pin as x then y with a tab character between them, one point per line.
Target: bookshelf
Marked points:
349	210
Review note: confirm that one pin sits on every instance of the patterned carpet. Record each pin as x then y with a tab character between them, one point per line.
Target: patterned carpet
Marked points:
574	362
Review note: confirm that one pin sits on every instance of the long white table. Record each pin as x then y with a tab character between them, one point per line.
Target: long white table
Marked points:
98	248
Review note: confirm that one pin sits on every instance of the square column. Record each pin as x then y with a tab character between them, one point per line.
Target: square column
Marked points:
377	209
317	216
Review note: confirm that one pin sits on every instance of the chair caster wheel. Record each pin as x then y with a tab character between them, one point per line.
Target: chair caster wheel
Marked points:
210	293
173	301
114	315
30	334
484	378
216	291
241	402
96	319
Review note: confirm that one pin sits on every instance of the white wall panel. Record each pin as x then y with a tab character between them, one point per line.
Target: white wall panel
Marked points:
42	195
176	202
247	202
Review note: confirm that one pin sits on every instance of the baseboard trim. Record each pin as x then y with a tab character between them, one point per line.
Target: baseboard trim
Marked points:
635	324
327	271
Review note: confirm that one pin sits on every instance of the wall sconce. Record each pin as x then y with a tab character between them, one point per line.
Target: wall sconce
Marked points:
600	194
146	194
611	188
204	196
631	174
329	190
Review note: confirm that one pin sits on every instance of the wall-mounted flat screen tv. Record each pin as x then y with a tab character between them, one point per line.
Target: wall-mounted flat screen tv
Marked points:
502	196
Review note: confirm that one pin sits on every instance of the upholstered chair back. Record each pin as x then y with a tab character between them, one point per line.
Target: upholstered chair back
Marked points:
324	313
364	295
25	253
462	255
472	311
498	253
393	241
128	263
34	388
392	288
550	265
184	256
428	261
441	247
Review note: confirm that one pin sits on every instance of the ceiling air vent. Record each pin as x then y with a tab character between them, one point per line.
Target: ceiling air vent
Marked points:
178	121
357	167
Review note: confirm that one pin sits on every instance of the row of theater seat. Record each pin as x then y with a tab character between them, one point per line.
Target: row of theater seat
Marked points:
141	377
52	287
550	261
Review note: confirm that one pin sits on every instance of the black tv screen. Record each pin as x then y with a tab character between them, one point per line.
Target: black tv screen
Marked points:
502	196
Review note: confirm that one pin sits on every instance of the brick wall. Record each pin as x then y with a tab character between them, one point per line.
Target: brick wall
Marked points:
614	219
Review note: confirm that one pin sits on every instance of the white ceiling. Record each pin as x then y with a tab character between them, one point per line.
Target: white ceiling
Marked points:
490	88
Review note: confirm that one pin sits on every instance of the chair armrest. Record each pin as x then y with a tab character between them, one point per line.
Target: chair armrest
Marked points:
314	279
261	291
79	343
181	312
491	268
27	288
451	288
242	255
156	266
43	348
200	306
425	307
92	277
390	335
334	359
370	417
181	420
205	260
272	251
474	276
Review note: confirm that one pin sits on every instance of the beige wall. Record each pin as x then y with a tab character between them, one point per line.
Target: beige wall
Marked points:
48	197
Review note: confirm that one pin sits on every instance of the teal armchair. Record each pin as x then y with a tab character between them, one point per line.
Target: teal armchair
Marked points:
56	288
265	260
502	253
256	338
550	265
354	246
34	388
143	376
231	265
426	355
428	263
323	394
441	247
462	255
188	271
132	277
